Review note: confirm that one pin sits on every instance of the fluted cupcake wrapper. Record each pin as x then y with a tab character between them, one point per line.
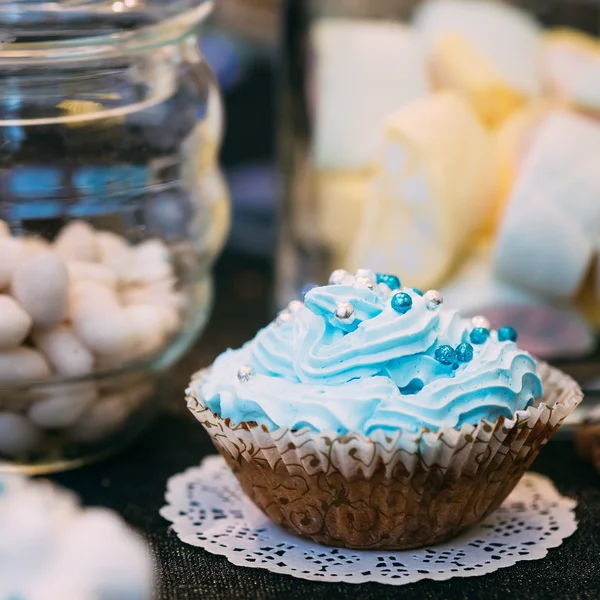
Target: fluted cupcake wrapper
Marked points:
387	491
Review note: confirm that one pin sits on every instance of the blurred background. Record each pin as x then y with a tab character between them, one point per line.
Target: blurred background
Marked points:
453	142
242	45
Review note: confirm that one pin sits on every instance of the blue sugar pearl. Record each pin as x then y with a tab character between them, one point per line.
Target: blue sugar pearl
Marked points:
507	334
445	355
402	303
390	280
417	292
464	353
479	336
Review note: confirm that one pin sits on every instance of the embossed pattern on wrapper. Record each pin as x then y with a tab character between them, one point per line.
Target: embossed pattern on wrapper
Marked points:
209	510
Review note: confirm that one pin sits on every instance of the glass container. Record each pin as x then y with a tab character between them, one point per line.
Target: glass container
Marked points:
112	211
455	144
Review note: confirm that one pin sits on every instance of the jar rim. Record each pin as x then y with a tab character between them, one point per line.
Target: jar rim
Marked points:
69	36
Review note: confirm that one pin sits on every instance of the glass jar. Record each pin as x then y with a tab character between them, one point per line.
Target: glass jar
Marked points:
454	143
112	211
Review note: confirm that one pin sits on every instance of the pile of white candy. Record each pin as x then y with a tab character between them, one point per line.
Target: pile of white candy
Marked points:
51	548
88	302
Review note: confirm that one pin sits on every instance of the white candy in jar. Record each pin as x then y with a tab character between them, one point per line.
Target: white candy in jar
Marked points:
102	419
34	245
149	328
77	241
40	284
99	321
149	262
110	245
88	271
10	252
22	365
64	351
15	323
63	405
17	435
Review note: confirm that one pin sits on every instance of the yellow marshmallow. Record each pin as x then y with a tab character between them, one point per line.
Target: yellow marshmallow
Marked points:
458	64
340	201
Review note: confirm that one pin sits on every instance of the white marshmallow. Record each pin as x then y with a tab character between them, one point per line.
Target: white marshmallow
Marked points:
364	70
546	241
63	405
475	287
47	554
22	365
77	241
88	271
570	67
40	284
101	420
586	87
116	566
14	323
512	143
64	351
506	36
541	250
17	435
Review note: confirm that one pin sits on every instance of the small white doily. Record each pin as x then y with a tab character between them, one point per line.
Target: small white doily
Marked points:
208	509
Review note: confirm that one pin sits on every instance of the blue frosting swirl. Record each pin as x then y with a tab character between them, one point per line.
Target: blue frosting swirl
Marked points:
375	371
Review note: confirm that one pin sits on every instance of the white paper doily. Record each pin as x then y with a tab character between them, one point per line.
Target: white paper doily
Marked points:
208	509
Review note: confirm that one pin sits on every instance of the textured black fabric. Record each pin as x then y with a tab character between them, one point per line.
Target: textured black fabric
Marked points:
133	484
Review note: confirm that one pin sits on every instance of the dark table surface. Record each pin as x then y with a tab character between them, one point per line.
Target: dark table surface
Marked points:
133	483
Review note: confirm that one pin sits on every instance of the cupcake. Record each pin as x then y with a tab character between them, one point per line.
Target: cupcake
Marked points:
370	416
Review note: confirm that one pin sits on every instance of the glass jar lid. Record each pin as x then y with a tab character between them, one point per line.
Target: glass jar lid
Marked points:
43	30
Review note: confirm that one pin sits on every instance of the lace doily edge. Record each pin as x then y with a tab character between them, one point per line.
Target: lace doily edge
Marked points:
186	533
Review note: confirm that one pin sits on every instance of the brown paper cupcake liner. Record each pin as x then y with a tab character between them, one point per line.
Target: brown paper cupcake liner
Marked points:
390	492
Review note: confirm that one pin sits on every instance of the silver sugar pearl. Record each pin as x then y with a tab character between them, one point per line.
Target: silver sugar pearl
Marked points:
433	299
364	283
245	373
345	313
284	317
368	274
294	306
480	321
340	277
